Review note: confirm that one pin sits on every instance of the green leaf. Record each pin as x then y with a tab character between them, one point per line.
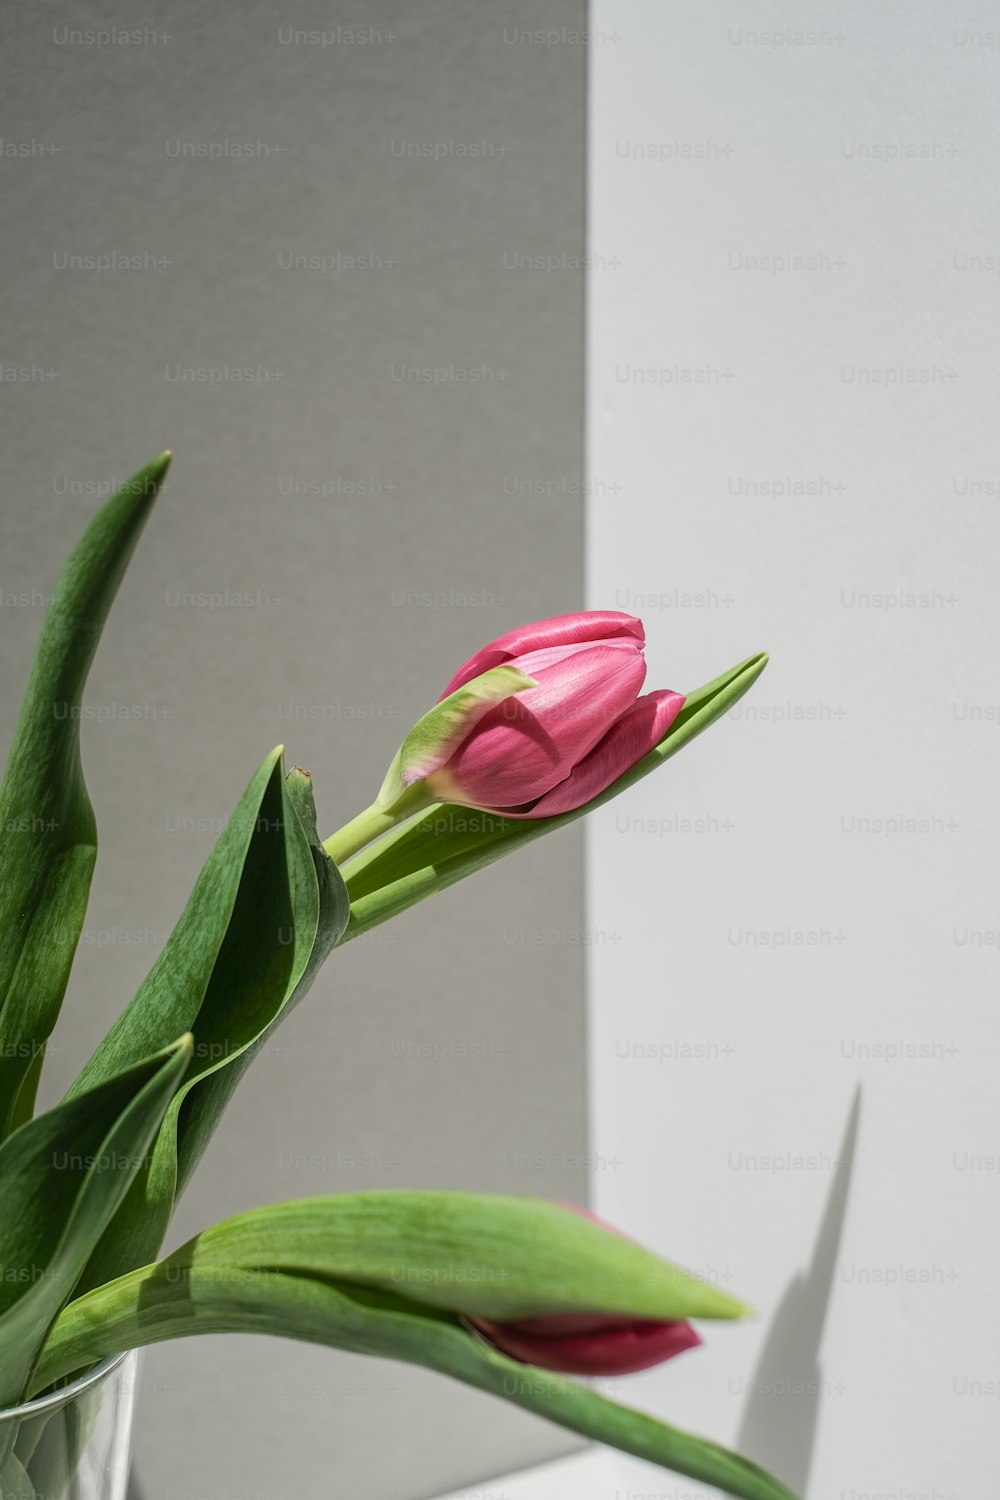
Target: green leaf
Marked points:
204	1288
48	837
494	1255
14	1481
267	908
443	845
64	1176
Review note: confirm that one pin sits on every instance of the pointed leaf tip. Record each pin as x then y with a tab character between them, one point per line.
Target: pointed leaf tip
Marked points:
45	879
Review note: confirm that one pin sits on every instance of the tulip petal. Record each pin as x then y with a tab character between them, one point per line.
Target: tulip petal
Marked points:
562	630
633	735
594	1346
433	737
529	744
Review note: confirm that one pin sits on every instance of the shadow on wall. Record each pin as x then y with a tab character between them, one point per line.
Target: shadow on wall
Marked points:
782	1413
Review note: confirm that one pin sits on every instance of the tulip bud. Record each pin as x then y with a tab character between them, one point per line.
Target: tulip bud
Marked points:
537	723
590	1343
558	738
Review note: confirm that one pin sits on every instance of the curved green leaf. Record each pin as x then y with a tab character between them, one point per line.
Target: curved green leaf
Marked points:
64	1176
265	911
435	849
175	1299
489	1254
48	836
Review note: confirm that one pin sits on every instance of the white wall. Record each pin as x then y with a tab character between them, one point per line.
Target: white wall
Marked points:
850	808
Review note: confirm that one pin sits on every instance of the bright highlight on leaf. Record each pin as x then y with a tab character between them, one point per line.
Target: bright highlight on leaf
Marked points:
497	1256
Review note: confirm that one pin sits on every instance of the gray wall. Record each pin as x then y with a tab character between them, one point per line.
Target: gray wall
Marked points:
383	526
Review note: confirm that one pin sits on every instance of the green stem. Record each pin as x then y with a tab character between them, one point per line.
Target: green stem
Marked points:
373	822
359	831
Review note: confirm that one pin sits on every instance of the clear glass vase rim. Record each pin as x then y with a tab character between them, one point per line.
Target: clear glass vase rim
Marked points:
66	1393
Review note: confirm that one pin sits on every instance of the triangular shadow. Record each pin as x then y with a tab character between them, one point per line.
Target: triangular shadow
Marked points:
781	1414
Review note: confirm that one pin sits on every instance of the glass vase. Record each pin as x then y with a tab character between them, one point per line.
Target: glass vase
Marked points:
75	1442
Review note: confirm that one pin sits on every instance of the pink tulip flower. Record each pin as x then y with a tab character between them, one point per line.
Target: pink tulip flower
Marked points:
564	721
537	723
590	1343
